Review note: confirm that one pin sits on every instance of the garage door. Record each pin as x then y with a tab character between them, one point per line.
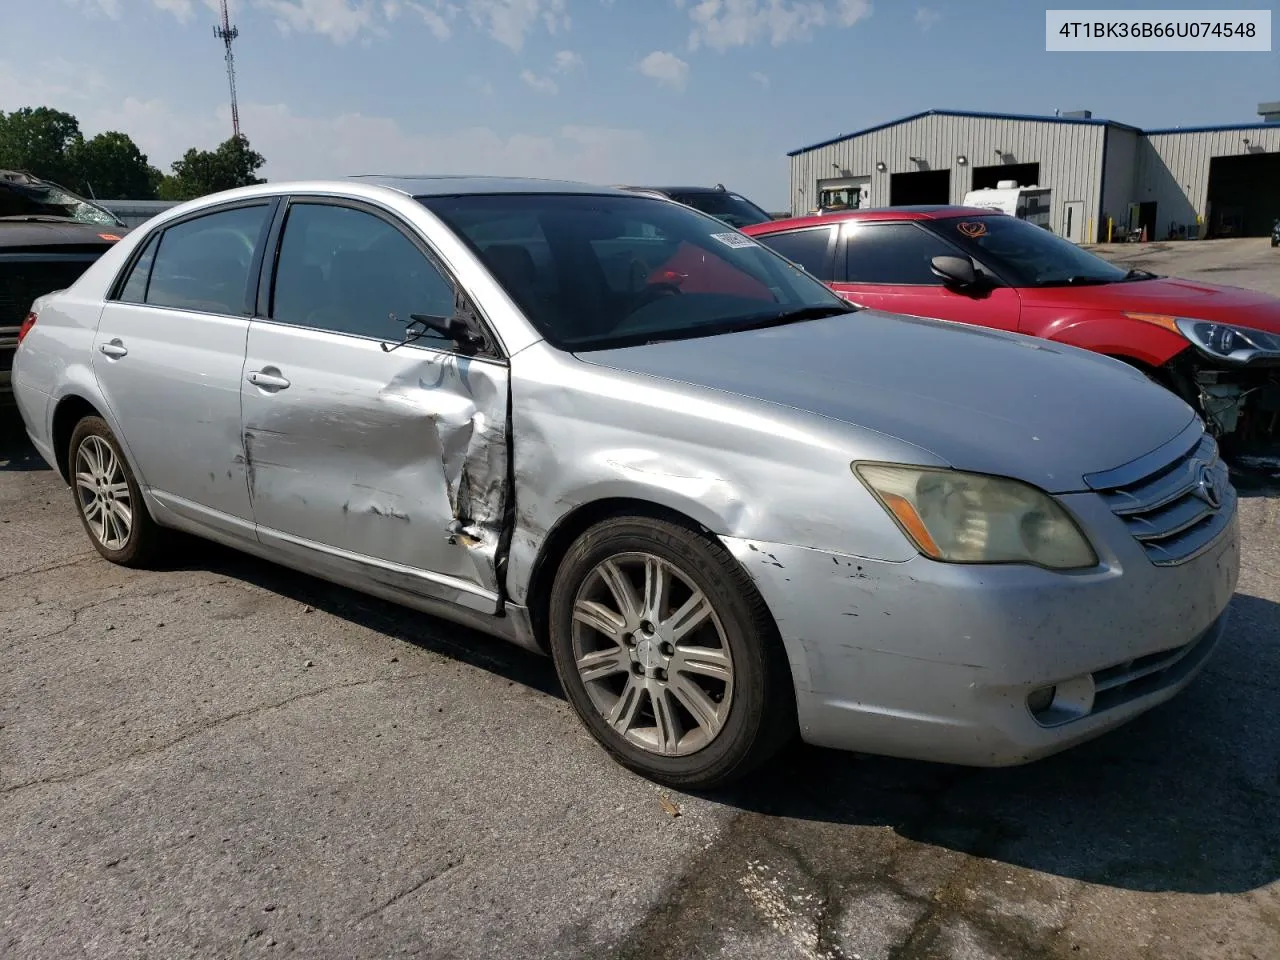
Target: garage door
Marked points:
923	186
1244	194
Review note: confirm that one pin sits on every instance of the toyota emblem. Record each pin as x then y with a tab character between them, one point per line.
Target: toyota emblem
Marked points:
1206	487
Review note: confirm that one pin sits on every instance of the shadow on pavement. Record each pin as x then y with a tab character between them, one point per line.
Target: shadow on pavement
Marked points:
409	626
16	452
1182	799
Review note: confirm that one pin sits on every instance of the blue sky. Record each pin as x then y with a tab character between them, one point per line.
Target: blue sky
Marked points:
634	91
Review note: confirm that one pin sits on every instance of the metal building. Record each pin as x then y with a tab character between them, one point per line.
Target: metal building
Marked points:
1104	176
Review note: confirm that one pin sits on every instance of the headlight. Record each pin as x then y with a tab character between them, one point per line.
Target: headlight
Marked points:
971	518
1221	340
1240	344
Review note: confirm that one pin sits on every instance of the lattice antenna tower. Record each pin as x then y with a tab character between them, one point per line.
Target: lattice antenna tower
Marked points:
227	33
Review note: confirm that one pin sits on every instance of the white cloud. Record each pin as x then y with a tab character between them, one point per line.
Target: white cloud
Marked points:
666	68
540	84
849	12
926	17
339	20
724	24
761	78
566	61
438	16
509	21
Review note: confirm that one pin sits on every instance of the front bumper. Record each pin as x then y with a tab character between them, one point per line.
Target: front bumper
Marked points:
934	661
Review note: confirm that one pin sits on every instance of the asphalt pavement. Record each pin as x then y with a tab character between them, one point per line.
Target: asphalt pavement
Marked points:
227	759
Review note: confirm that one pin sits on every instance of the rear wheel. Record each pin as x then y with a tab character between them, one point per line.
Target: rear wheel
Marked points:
668	654
108	499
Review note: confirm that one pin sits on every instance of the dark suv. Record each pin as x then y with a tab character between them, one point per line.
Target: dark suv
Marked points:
48	237
734	209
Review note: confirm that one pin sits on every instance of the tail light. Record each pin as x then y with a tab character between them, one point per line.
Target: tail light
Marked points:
27	324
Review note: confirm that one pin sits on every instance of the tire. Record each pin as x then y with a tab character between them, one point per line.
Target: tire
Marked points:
651	658
120	528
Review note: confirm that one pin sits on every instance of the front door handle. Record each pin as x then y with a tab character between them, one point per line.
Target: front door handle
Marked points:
115	349
268	379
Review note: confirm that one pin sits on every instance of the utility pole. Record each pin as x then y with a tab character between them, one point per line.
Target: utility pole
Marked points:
227	33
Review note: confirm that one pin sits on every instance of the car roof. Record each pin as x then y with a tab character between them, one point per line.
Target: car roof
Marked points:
434	185
922	212
668	191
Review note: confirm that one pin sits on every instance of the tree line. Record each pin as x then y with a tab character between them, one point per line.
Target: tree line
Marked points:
48	144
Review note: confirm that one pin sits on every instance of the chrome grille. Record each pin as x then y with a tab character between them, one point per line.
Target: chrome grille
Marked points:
1174	504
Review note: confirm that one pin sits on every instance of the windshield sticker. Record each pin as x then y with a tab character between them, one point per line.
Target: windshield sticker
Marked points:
972	229
735	240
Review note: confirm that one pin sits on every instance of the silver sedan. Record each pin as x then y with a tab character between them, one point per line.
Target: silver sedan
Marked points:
732	507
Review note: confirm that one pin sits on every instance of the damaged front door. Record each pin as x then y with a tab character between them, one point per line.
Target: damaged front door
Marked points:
387	460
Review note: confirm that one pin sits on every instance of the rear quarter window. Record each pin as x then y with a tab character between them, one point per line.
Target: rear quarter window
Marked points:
135	287
810	249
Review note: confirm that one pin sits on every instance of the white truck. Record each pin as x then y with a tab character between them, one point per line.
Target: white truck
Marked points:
1025	203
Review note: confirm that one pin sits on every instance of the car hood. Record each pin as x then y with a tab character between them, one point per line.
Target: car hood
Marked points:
980	400
31	233
1172	296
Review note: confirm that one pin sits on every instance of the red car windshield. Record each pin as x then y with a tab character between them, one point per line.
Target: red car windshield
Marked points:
594	272
1029	256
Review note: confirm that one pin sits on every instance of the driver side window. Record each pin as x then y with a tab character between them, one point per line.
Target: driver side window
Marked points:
348	271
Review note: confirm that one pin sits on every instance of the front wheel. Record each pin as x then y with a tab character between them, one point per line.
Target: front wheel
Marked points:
108	499
668	654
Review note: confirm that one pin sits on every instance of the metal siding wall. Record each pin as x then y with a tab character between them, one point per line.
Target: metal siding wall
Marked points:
1173	168
1069	154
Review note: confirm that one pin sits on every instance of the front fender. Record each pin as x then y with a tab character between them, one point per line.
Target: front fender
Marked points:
739	467
1107	333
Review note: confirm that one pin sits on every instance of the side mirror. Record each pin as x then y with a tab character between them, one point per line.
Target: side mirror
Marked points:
453	328
956	271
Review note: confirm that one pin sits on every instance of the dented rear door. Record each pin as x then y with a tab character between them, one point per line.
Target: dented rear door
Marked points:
384	459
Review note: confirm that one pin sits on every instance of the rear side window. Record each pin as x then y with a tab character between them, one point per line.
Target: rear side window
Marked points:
135	288
203	264
810	249
893	253
349	271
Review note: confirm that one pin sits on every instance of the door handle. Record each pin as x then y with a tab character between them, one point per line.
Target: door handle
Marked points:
267	380
115	349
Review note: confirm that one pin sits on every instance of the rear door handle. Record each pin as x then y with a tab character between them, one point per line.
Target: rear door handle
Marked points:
268	380
115	349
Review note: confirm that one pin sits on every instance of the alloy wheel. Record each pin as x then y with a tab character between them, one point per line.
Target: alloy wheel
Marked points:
103	493
652	654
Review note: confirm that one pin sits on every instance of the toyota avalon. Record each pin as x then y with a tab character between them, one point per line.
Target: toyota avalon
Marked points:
611	428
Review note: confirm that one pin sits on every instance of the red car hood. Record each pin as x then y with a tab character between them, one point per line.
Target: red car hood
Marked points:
1167	295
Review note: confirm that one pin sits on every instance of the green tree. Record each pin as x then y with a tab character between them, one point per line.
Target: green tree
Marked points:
40	141
111	167
233	164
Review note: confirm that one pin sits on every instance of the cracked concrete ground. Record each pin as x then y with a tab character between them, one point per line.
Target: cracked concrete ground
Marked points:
228	759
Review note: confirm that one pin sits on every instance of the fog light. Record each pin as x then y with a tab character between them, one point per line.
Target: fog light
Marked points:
1041	700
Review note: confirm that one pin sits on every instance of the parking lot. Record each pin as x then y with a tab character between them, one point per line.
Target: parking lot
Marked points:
229	759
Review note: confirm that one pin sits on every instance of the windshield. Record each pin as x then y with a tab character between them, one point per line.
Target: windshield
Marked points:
36	198
593	272
1028	255
732	209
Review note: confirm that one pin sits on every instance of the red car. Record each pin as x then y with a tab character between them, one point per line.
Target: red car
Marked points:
1217	347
